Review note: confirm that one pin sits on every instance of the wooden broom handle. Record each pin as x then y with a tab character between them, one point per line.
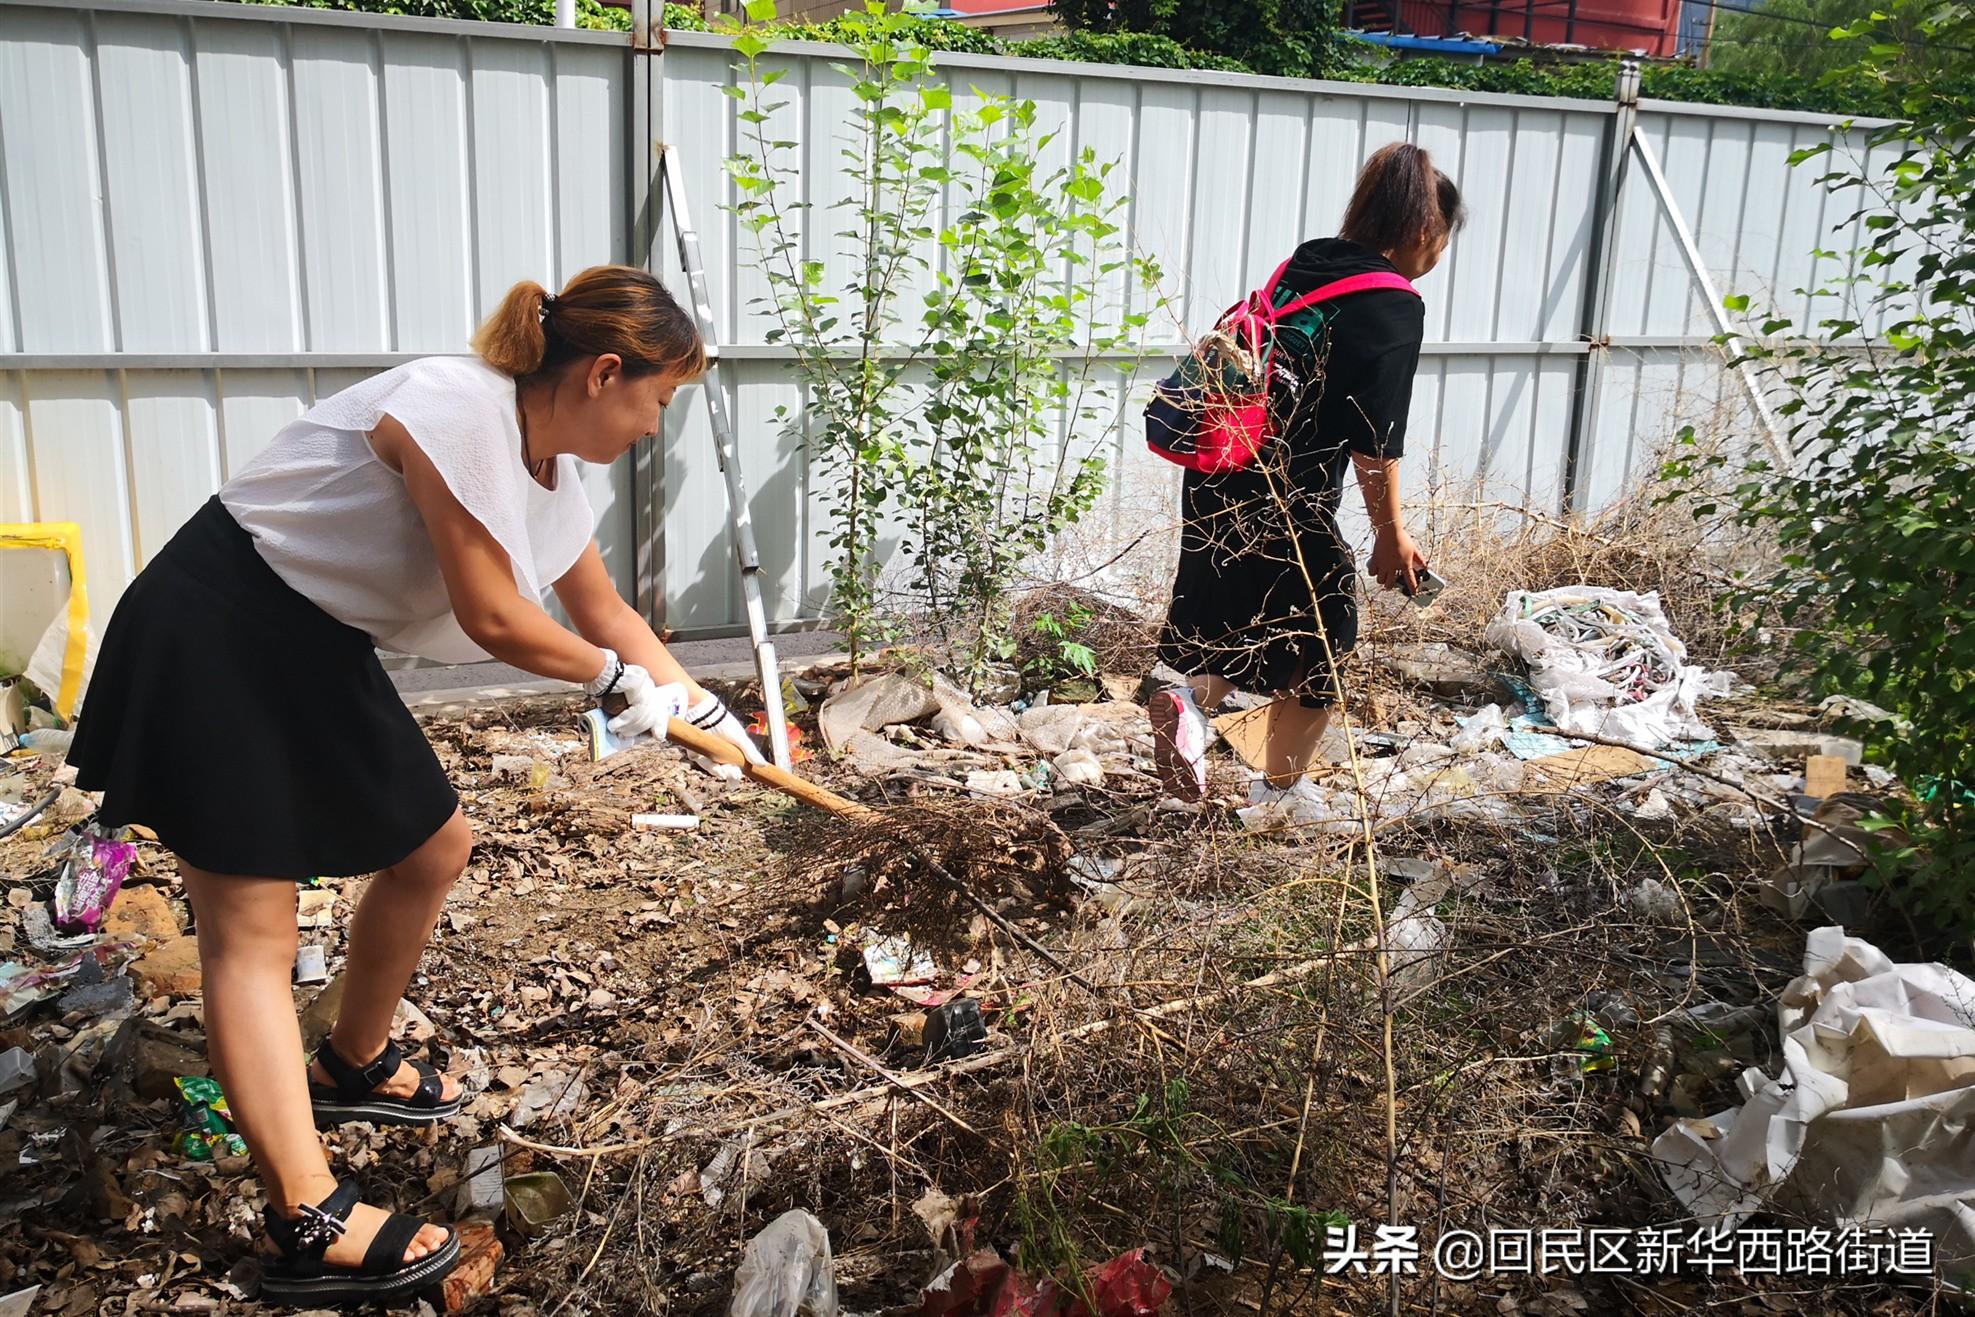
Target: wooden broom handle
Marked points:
722	751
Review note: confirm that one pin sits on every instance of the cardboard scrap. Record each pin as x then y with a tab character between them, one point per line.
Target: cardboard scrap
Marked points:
1577	768
1824	776
1246	732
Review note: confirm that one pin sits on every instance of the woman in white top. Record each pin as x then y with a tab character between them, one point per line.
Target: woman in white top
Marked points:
423	511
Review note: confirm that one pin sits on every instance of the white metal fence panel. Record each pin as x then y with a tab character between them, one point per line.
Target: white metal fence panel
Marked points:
1225	176
213	215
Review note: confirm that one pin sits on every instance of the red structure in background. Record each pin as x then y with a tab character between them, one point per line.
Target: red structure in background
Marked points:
1649	26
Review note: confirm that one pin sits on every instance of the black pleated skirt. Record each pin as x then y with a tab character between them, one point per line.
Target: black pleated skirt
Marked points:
254	733
1265	593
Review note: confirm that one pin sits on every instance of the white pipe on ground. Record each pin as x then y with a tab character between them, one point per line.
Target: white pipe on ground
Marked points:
565	13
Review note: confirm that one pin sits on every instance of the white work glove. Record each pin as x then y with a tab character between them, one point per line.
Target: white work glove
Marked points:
712	715
651	706
651	709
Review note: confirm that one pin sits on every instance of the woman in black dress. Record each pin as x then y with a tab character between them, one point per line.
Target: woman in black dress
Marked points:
425	510
1263	598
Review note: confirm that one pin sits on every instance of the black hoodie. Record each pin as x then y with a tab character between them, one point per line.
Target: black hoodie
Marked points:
1349	390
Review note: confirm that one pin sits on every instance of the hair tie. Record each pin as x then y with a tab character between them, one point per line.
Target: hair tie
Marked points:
548	304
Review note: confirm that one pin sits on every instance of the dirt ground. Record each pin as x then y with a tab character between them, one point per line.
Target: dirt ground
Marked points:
680	1025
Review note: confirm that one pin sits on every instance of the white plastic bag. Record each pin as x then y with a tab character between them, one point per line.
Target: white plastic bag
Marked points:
44	630
786	1270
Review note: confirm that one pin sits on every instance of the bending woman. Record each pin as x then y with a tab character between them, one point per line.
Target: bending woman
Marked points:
1263	599
422	511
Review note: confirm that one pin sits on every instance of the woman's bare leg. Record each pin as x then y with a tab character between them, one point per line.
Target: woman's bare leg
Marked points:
388	935
247	955
1292	741
1209	690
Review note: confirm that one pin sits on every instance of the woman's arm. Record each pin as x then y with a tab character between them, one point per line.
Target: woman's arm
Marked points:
602	617
601	614
479	576
1394	555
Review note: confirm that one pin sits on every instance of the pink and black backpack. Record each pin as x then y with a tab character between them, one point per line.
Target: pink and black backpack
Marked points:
1212	414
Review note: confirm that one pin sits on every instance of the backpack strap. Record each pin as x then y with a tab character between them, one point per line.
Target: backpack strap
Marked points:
1268	289
1357	283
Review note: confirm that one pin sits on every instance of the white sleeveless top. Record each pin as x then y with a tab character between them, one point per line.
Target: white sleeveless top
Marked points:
340	528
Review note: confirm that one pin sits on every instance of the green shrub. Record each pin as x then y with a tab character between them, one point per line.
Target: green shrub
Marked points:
1872	516
992	267
1335	56
1144	49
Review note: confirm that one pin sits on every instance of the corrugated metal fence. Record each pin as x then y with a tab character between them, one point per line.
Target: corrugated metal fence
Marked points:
213	214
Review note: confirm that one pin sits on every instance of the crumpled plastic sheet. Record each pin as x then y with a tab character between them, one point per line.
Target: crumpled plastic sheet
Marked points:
1872	1122
92	874
1606	664
786	1270
1426	779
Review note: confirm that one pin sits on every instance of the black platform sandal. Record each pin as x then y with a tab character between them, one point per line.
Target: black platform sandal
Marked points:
298	1275
354	1095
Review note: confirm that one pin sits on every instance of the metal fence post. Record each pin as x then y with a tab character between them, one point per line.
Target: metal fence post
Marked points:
1733	344
1592	367
647	102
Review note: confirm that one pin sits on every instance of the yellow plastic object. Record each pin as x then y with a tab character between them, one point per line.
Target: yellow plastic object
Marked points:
66	538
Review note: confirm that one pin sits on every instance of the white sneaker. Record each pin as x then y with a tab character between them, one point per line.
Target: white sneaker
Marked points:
1303	802
1260	792
1180	733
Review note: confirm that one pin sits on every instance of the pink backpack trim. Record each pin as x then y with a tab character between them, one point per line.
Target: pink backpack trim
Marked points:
1231	432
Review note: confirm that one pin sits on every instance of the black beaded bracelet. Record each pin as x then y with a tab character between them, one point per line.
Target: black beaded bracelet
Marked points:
615	677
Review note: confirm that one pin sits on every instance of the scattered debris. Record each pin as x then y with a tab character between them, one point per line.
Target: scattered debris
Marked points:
872	706
1860	1127
653	1014
786	1270
1441	668
1606	663
535	1201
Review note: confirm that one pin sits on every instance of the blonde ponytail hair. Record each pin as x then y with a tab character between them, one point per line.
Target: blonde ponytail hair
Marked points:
512	340
617	309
